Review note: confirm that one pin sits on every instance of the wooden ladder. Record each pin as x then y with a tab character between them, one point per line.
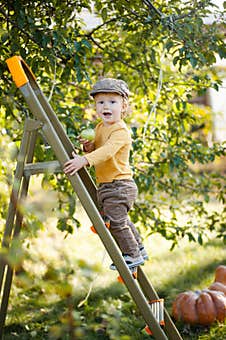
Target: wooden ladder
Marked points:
45	120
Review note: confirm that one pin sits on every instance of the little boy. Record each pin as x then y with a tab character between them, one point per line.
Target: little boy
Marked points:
109	153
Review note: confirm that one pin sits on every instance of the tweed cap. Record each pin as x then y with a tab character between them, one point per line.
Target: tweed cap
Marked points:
111	85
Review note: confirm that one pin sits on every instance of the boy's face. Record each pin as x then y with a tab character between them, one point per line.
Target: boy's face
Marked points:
109	107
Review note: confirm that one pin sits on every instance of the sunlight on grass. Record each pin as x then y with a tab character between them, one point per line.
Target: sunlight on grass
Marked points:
183	268
78	266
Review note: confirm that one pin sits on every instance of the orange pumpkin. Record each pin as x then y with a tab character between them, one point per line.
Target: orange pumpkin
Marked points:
218	286
220	274
200	307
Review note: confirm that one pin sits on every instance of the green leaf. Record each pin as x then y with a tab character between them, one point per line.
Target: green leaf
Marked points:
169	44
104	13
193	61
77	45
222	51
191	237
86	43
79	75
200	239
175	60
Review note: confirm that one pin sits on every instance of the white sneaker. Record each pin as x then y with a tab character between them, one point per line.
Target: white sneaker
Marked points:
130	261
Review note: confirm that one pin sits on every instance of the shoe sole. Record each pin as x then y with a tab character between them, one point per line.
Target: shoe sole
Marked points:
130	266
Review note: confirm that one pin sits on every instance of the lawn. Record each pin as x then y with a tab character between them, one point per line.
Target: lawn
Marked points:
65	287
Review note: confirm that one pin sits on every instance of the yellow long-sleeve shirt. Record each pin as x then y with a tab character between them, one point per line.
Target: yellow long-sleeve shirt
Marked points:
111	155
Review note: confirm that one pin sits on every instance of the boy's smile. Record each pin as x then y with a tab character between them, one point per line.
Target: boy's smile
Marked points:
107	114
109	107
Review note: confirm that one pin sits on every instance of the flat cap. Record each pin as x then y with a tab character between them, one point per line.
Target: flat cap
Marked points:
111	85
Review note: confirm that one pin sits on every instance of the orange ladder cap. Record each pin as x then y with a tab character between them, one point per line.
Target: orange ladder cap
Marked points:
17	68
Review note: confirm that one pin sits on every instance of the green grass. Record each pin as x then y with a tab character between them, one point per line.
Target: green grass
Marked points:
59	274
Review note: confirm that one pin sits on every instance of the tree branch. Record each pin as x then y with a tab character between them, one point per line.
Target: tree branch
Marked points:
153	8
112	56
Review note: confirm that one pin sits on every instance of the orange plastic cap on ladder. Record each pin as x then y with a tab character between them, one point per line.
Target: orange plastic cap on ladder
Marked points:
17	67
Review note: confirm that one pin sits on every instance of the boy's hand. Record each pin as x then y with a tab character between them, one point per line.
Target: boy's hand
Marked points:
75	164
88	146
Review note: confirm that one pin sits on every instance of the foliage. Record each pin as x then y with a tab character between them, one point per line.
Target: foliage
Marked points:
166	54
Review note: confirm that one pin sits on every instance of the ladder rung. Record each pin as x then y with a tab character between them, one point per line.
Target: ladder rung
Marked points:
42	167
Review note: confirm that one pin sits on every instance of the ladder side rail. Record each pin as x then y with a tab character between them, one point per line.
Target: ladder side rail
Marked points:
91	209
10	269
15	194
26	154
17	182
5	299
151	294
25	180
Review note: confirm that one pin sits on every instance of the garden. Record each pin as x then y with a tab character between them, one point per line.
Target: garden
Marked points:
66	287
62	286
